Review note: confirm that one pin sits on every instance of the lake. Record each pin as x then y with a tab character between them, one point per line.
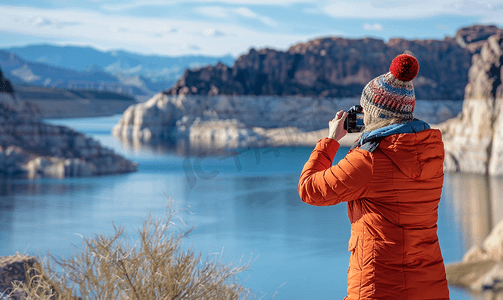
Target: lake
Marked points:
244	206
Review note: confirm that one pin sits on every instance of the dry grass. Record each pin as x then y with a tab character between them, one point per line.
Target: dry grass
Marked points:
155	266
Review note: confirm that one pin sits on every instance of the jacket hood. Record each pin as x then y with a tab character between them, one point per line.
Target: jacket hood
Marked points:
417	150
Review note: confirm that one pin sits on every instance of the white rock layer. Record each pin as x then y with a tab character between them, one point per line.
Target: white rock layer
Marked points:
30	148
474	139
230	122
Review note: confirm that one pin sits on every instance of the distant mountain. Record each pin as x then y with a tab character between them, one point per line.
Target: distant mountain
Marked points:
119	69
23	72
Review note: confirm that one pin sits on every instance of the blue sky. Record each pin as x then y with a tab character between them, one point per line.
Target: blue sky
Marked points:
180	27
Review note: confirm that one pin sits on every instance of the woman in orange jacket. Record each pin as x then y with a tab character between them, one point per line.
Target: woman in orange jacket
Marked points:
391	180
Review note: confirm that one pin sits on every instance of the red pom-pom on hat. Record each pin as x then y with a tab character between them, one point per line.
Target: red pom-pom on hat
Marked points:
404	67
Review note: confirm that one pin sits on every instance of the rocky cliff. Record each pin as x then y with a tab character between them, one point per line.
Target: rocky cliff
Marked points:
209	123
474	139
30	148
340	67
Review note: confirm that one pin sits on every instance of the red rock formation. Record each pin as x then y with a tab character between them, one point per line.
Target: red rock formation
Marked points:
472	38
340	67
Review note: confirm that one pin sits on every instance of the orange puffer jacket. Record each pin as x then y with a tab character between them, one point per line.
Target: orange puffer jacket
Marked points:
392	194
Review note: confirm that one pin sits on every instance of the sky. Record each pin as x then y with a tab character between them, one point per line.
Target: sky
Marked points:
182	27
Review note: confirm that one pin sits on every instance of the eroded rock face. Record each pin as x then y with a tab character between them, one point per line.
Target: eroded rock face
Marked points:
230	122
221	122
339	67
30	148
472	38
474	139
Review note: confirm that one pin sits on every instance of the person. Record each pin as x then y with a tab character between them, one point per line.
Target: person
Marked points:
391	180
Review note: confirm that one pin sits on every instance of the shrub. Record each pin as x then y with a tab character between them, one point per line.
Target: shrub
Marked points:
155	266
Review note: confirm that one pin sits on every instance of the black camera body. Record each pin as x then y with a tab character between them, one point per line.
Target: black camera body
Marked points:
354	120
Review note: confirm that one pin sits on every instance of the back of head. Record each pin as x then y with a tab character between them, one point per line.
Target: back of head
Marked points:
389	98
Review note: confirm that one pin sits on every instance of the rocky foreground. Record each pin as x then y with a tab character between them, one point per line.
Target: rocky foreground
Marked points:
13	268
30	148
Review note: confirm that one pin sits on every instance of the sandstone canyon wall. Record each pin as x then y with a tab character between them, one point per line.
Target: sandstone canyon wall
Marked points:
208	123
474	139
339	67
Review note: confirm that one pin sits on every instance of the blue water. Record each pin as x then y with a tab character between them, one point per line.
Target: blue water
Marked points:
246	207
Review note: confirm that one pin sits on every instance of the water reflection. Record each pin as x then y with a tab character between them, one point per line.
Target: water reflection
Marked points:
289	241
474	205
476	202
26	210
180	146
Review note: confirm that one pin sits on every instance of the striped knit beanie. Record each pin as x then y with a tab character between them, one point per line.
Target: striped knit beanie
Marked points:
391	95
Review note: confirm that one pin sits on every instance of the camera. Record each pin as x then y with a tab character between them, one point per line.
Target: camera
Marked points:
354	120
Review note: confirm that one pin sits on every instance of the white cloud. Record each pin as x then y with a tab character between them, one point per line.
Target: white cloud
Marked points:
370	10
39	21
229	13
124	5
376	9
246	12
64	24
268	21
487	10
373	27
213	32
44	22
142	3
213	11
253	2
166	29
140	34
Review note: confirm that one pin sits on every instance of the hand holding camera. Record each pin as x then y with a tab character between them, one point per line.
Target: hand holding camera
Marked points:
344	122
336	129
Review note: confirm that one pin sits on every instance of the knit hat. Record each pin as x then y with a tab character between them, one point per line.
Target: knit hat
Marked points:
391	95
